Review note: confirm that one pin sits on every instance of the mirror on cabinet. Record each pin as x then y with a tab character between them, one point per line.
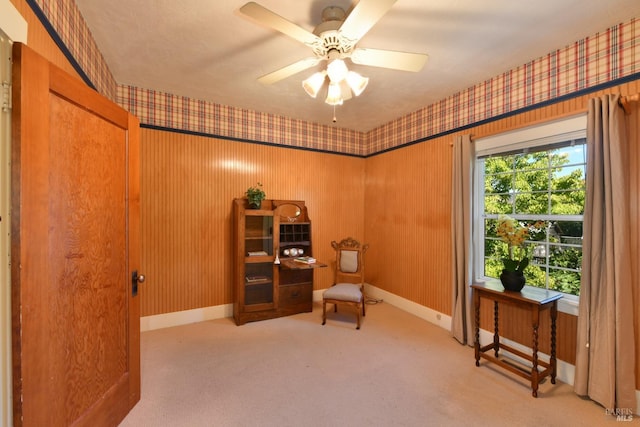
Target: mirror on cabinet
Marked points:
289	212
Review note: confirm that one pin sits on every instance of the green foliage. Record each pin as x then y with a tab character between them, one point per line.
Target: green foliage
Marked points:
515	264
255	195
520	184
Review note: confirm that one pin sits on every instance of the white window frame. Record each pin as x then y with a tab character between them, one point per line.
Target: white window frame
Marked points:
574	127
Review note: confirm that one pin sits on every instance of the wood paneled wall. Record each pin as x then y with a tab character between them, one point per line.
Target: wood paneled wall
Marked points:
188	185
407	223
407	220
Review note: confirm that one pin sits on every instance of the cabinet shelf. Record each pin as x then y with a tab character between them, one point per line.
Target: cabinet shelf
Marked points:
295	233
258	259
294	243
257	282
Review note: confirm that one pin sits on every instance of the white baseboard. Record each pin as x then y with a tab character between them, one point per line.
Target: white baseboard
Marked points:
177	318
426	313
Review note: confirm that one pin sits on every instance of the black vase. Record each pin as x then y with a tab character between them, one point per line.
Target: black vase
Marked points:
512	280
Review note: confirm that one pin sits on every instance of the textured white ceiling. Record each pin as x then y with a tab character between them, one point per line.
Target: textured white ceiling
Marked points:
206	50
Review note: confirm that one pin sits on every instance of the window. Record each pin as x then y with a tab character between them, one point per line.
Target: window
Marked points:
536	176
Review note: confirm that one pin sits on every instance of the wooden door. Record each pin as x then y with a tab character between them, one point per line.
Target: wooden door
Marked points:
75	220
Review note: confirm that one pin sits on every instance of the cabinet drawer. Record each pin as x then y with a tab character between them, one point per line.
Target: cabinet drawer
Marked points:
296	294
294	277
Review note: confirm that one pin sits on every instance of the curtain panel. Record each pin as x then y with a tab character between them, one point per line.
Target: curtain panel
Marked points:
605	356
461	232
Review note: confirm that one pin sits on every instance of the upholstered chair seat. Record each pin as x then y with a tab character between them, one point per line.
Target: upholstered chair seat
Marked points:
344	292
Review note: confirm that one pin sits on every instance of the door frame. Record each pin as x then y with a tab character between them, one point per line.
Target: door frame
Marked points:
6	413
13	28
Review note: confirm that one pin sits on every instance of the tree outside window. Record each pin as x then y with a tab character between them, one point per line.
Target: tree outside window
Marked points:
545	191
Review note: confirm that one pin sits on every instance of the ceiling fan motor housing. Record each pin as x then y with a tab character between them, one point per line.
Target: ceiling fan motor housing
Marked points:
330	37
333	13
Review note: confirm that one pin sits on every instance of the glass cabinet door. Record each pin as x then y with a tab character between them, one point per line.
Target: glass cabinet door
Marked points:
258	287
259	280
258	235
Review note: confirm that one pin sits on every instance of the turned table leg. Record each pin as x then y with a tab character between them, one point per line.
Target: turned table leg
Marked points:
552	362
476	344
496	334
535	313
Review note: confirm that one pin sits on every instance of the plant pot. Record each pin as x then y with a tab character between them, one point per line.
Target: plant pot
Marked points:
512	280
255	205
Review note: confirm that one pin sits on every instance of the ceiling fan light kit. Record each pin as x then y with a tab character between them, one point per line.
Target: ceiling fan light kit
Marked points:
357	83
342	81
337	70
334	94
313	84
333	41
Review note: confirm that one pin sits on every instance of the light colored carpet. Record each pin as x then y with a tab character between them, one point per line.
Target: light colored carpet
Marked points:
397	370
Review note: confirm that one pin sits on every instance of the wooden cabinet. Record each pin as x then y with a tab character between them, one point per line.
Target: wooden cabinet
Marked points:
268	281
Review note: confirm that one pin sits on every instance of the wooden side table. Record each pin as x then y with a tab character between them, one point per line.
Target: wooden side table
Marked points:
533	299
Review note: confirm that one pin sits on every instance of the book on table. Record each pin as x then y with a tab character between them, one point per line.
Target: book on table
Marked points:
305	259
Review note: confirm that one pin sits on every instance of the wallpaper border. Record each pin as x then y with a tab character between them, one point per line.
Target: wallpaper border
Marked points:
604	59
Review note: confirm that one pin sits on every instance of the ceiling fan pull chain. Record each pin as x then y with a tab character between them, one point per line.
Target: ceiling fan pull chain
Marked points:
334	114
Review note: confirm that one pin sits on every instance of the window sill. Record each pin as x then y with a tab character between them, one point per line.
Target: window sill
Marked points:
569	304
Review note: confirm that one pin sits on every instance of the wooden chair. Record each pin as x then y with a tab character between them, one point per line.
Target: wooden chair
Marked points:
348	285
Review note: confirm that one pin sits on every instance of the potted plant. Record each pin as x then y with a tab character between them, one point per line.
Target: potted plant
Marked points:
514	235
255	196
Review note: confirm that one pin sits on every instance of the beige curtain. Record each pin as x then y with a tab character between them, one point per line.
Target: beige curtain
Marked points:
461	205
605	357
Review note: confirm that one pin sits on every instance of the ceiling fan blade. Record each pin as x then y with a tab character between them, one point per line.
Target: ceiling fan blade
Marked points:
289	70
277	22
363	17
395	60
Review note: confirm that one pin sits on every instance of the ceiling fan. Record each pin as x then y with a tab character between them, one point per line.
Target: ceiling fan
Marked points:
334	40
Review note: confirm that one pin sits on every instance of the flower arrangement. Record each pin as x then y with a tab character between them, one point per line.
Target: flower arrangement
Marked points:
513	234
255	195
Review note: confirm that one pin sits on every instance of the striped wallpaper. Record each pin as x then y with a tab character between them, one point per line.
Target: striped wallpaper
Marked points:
603	58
